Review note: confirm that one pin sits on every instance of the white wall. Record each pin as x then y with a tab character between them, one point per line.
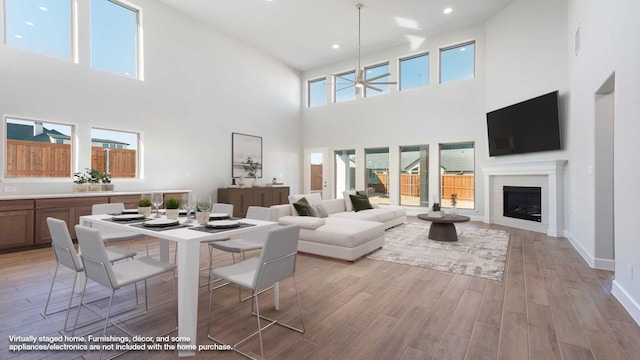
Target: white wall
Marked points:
609	45
199	86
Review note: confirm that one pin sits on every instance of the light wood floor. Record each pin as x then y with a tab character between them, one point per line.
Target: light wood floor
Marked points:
551	305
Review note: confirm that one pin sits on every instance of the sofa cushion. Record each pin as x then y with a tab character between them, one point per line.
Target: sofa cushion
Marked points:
360	202
318	210
305	222
312	199
347	199
302	207
379	215
344	232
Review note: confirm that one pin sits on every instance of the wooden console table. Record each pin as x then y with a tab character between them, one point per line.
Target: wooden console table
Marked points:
243	197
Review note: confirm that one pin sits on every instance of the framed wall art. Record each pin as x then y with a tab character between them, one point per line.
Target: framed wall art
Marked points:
246	155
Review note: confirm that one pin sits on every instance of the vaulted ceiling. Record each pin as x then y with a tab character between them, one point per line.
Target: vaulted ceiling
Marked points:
301	33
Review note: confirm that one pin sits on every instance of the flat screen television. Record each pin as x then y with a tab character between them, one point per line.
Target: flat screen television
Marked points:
529	126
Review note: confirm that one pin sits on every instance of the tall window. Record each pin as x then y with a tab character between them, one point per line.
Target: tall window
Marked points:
114	37
457	169
414	72
40	26
345	163
343	89
457	62
414	175
115	152
37	149
377	174
317	92
373	72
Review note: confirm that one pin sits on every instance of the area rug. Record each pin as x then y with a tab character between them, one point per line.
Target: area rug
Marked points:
478	252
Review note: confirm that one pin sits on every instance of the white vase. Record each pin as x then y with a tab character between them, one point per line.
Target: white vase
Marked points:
146	211
172	214
256	182
241	181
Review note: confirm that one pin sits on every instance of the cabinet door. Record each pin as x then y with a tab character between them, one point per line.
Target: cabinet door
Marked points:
129	201
42	235
280	196
241	199
16	228
262	197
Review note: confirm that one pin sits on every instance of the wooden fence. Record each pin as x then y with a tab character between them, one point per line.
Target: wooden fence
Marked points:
122	162
38	159
462	185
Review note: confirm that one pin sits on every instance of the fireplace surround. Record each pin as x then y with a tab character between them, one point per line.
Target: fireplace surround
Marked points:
552	174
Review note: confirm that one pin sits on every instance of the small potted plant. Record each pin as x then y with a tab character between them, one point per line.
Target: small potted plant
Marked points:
94	177
144	207
105	179
80	182
172	206
454	202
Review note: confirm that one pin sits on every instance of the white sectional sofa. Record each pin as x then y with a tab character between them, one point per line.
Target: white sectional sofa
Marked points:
343	234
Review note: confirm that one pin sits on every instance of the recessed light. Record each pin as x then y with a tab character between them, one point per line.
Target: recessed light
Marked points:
29	23
17	36
463	49
43	8
335	46
447	10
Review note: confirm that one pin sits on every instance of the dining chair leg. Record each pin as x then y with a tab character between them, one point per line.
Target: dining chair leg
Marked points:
259	326
53	281
73	287
75	324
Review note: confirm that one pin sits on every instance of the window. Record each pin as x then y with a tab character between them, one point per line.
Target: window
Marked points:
373	72
317	92
414	72
42	27
114	38
343	88
414	175
457	169
457	62
115	152
37	149
377	174
345	171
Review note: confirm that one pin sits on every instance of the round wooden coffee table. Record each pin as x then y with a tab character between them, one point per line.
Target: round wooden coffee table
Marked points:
443	228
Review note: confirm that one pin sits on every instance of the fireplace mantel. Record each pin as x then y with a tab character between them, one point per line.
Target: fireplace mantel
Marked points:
553	170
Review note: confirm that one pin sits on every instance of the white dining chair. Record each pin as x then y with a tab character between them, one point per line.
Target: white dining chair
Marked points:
98	268
277	262
67	256
245	242
110	234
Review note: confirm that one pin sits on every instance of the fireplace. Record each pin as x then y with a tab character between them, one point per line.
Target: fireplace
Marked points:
522	202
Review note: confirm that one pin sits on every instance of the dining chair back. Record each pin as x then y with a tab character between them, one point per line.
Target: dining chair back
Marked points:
98	268
222	209
276	263
109	234
67	256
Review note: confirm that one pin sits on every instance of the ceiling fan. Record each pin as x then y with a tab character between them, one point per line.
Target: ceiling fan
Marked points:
361	81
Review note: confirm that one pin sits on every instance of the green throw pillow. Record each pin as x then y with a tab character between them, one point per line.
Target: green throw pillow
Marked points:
360	202
302	207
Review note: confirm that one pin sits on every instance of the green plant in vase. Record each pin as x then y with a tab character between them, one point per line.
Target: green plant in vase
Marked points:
251	167
79	180
144	207
105	179
172	206
454	202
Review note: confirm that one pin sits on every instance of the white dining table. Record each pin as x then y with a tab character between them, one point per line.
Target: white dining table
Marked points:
188	247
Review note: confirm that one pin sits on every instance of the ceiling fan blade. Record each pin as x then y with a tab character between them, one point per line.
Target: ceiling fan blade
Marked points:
346	87
343	78
382	83
373	88
378	77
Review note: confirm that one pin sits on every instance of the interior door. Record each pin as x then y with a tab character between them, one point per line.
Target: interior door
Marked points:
317	172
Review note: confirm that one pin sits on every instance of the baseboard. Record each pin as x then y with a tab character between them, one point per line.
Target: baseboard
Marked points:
605	264
581	250
632	307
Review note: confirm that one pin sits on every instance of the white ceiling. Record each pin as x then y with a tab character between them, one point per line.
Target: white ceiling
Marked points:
301	32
